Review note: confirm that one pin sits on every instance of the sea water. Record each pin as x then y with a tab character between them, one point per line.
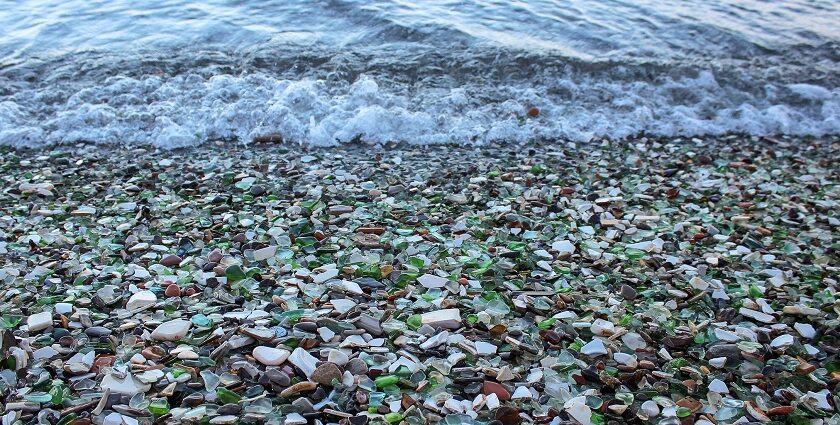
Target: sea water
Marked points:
176	73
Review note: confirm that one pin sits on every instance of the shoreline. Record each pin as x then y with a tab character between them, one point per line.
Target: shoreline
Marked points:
275	141
629	281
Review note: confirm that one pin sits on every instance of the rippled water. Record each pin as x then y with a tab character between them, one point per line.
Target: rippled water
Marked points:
177	73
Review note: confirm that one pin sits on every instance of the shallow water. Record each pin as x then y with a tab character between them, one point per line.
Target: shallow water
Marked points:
176	73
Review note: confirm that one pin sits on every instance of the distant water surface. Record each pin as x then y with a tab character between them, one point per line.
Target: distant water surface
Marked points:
176	73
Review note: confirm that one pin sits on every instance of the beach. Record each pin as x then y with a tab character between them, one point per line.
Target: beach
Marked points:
643	280
287	212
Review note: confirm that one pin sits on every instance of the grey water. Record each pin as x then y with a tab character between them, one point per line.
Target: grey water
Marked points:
178	73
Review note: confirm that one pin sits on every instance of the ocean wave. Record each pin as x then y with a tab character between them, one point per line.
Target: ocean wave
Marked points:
179	73
189	108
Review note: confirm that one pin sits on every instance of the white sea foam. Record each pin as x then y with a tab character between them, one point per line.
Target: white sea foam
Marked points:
189	109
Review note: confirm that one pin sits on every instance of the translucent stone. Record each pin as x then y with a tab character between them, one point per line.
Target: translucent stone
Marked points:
391	326
664	401
473	387
261	406
138	401
396	417
10	321
417	377
594	402
38	397
436	379
403	372
497	308
626	398
158	406
59	393
414	322
414	420
366	383
566	358
201	320
84	384
541	304
554	383
386	380
442	365
289	316
458	420
375	398
254	391
729	410
432	294
227	396
195	414
228	379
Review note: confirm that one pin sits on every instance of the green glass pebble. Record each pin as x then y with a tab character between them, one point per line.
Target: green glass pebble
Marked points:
10	321
67	419
683	412
414	322
227	396
635	254
386	380
234	274
158	406
625	320
547	323
291	316
57	396
393	417
403	372
392	390
49	300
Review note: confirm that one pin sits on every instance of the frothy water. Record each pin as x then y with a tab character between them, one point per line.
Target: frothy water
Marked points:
176	73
